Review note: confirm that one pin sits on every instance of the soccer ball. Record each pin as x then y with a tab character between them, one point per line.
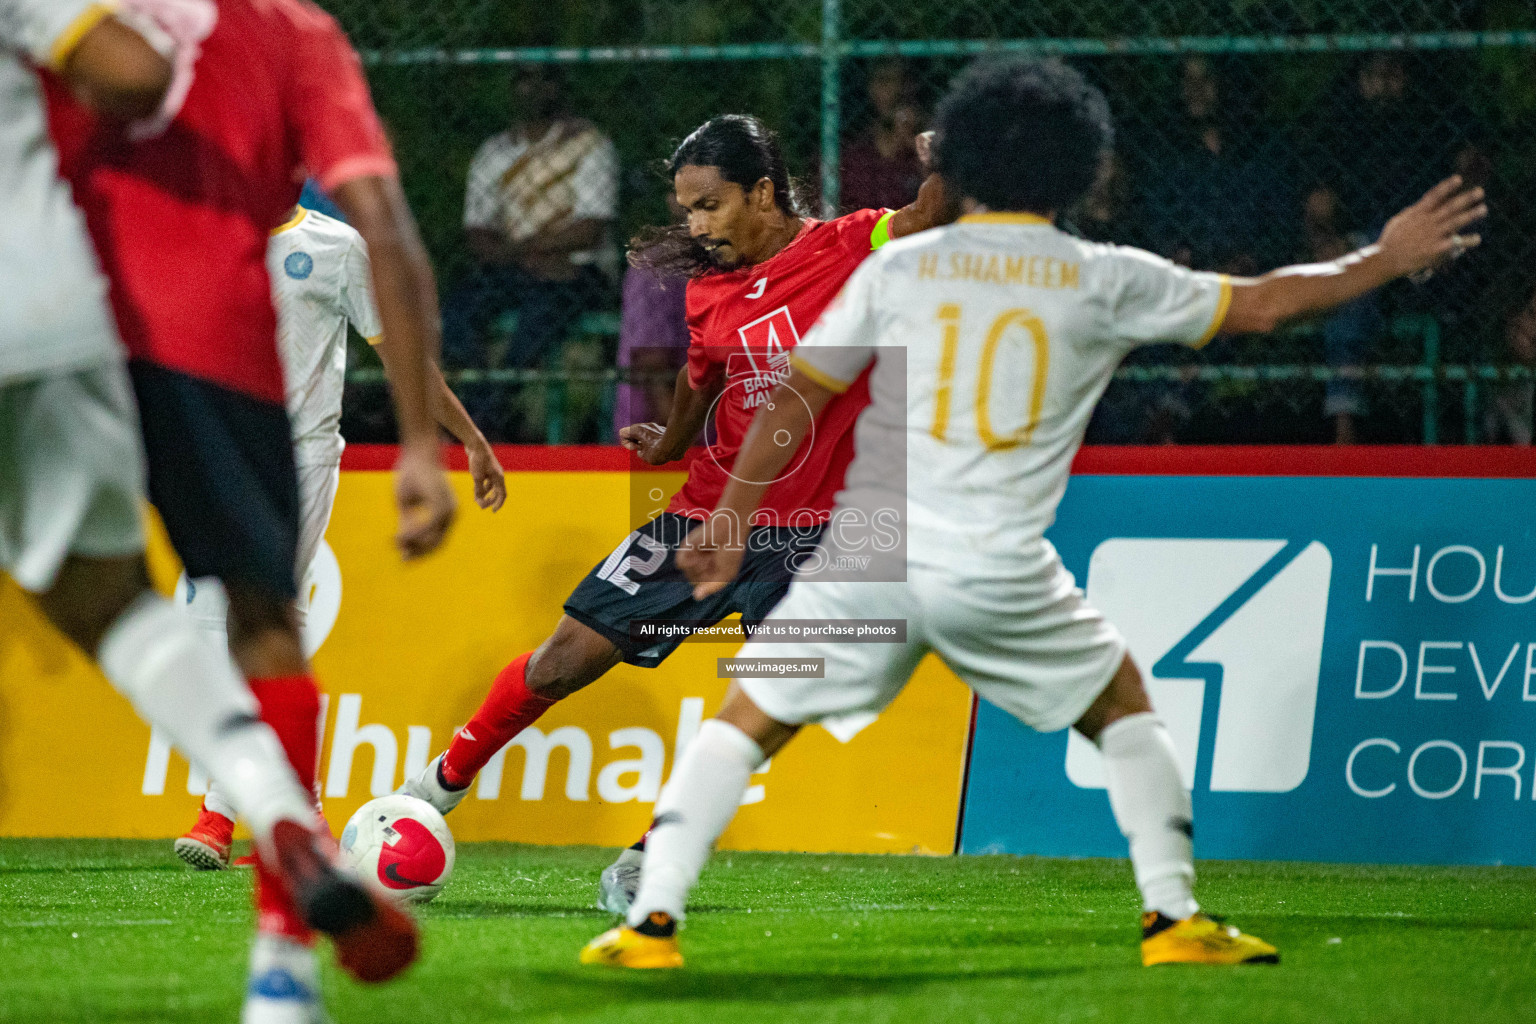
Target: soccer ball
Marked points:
401	845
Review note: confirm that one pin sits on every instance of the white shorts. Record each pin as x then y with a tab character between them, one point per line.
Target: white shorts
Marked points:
71	472
205	600
1027	642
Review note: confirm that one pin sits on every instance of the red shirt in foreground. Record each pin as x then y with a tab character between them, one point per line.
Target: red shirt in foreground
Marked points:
742	326
181	221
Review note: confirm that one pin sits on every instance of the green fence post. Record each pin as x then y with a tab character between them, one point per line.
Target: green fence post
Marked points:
831	115
1431	384
1469	409
554	406
610	399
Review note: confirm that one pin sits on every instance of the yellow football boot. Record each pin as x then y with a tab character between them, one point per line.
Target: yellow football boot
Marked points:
1199	940
625	947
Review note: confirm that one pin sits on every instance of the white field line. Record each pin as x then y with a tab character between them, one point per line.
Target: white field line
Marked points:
95	923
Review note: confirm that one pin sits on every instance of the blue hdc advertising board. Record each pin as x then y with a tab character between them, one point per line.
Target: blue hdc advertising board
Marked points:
1347	667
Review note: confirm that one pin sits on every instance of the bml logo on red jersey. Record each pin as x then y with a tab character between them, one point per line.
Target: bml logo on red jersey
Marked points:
763	362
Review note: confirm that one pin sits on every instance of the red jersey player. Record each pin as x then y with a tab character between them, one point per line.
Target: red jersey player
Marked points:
759	273
265	90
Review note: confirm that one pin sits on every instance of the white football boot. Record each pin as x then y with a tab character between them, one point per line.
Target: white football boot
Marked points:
284	985
617	885
427	785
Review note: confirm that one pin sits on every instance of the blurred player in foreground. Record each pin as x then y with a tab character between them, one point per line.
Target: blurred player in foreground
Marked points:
72	467
321	282
756	267
991	342
264	92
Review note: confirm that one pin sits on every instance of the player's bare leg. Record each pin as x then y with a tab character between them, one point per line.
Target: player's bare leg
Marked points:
1155	813
696	805
264	635
92	593
572	657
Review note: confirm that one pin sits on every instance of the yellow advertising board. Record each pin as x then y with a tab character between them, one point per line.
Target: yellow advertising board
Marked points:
410	653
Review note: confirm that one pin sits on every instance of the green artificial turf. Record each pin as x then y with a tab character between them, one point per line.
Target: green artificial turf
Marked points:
119	931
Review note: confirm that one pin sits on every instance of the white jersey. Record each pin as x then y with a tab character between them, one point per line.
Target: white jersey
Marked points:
320	282
53	304
1011	331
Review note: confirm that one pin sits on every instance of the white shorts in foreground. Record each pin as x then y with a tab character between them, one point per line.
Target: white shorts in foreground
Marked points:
71	472
1027	642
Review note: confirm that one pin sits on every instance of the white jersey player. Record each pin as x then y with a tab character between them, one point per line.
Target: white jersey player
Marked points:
987	344
72	484
321	283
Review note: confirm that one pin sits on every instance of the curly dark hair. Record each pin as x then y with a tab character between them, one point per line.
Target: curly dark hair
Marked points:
744	151
1022	134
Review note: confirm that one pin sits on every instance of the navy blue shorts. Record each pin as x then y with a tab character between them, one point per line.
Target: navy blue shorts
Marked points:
640	582
221	476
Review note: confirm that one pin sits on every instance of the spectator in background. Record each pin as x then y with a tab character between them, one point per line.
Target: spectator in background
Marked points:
1109	212
1382	142
1348	331
538	205
1139	412
1209	192
1218	199
653	346
1509	416
880	166
1497	284
1381	146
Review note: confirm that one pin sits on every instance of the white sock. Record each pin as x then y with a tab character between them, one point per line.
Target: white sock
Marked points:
215	629
1153	810
282	972
695	806
214	801
187	688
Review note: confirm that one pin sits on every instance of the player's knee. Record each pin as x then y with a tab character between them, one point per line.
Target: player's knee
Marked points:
1125	695
556	674
264	635
91	594
569	661
742	712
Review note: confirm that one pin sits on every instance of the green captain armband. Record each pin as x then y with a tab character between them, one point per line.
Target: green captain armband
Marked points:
882	232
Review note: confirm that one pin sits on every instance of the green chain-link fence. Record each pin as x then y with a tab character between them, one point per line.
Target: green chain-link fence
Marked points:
1250	133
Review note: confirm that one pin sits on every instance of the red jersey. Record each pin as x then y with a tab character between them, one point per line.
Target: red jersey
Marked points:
181	221
742	325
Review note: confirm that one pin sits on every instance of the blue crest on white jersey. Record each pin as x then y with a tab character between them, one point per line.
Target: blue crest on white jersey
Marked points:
298	265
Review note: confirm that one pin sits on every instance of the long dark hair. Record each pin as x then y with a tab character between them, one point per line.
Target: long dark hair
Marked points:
744	151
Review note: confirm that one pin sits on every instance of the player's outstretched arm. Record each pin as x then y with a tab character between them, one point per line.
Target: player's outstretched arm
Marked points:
484	470
490	481
407	299
115	71
711	555
1419	238
658	444
934	204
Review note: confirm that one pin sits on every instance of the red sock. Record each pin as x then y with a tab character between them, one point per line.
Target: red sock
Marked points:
290	705
507	710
